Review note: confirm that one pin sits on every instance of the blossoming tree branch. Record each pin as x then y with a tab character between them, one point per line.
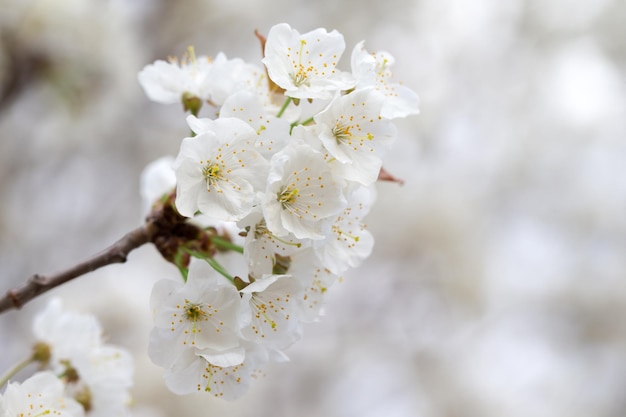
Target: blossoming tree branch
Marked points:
279	168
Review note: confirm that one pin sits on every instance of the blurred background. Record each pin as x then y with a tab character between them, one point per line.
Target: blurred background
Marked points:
497	286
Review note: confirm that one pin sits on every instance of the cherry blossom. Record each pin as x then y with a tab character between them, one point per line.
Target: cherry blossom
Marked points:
157	179
316	279
225	376
197	314
373	70
274	309
68	334
218	171
166	81
229	76
355	135
300	192
105	377
262	247
305	64
272	133
272	192
289	182
41	394
98	375
348	242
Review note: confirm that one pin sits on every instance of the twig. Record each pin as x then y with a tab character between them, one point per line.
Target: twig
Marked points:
384	175
116	253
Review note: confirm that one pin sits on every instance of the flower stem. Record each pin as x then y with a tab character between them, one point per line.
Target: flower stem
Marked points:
225	244
304	123
284	107
13	371
219	268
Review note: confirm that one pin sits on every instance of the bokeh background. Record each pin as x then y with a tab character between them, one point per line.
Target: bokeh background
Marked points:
497	286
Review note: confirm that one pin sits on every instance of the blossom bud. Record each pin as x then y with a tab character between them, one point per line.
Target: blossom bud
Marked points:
191	103
41	353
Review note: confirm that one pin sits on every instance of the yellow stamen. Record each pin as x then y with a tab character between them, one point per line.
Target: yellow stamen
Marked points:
288	196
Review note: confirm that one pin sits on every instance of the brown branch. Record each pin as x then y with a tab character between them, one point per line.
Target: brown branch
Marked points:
164	227
116	253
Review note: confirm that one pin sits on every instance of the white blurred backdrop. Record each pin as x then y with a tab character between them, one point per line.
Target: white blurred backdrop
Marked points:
497	286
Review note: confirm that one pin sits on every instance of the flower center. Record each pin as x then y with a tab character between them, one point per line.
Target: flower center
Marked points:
301	77
287	196
340	232
343	133
211	173
262	310
194	312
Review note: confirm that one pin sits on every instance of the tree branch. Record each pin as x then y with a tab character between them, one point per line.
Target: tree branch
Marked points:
164	227
116	253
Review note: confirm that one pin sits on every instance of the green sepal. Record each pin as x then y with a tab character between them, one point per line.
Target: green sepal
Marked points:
191	103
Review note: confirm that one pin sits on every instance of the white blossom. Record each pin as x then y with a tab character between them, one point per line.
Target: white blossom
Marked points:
166	81
348	242
157	179
262	247
229	76
300	192
197	314
355	135
103	374
222	378
106	375
272	133
218	171
68	334
287	183
41	394
373	70
316	279
272	302
305	64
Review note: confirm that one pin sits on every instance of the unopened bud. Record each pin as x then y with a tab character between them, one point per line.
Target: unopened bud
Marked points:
83	397
240	284
281	264
70	374
41	353
191	103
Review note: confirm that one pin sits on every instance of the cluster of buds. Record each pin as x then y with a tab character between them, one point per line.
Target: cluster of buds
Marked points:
283	165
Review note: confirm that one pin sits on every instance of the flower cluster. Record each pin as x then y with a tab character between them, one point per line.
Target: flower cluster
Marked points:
287	158
80	374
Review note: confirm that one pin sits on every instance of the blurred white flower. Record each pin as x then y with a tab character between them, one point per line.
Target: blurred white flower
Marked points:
41	394
229	76
157	179
68	334
166	82
106	375
97	375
